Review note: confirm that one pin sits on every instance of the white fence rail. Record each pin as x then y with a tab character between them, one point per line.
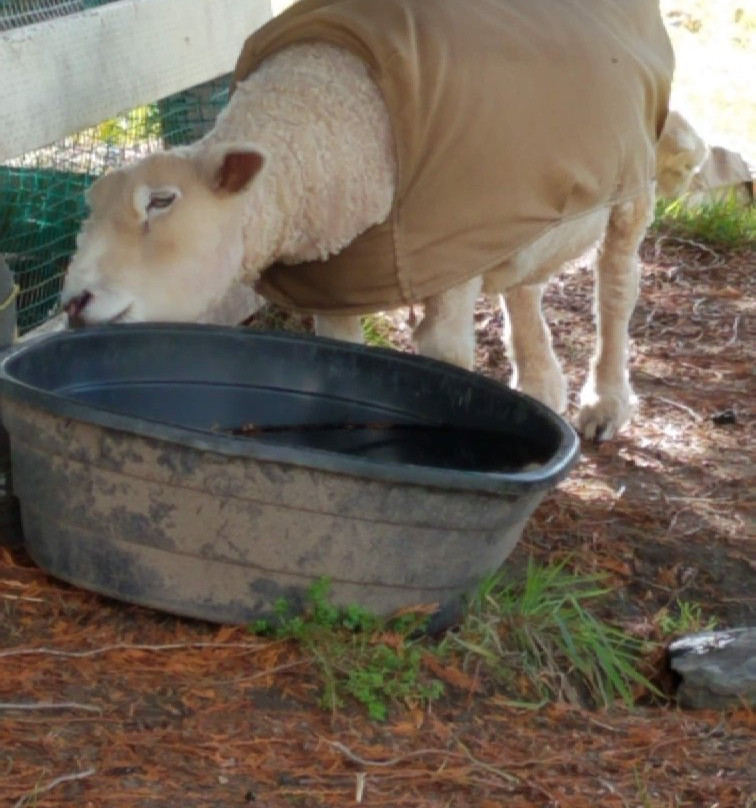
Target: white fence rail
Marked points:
60	76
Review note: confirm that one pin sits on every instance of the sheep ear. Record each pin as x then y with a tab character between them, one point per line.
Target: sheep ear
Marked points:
234	167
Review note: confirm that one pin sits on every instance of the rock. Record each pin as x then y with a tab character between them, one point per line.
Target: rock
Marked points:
717	669
724	418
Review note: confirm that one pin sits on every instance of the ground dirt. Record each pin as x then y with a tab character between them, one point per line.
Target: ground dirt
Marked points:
108	704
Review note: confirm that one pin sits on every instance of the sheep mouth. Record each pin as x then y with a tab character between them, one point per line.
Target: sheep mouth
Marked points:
122	315
75	311
75	308
76	320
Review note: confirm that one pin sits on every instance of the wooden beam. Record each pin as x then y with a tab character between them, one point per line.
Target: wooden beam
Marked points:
60	76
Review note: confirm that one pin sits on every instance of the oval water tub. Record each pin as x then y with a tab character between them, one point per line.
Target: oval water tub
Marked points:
208	471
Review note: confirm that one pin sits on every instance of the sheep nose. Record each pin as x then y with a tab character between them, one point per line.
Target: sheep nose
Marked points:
75	307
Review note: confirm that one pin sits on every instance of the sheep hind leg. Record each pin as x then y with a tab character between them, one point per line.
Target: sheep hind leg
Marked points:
535	367
447	330
343	327
607	399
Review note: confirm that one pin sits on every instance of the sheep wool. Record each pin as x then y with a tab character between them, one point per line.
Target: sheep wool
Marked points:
509	117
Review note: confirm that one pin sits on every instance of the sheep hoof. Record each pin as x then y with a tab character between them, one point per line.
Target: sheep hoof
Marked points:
597	431
601	417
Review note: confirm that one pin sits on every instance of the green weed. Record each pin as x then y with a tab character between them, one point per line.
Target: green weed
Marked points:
683	618
376	662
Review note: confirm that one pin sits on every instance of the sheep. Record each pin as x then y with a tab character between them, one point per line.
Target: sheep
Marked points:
680	153
407	152
689	169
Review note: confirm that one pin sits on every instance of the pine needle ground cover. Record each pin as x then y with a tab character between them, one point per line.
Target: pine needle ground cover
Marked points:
105	704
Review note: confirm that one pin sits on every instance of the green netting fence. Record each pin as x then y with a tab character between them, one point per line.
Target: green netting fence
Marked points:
42	192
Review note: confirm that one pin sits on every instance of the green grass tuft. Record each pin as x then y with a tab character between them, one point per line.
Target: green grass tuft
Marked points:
725	223
540	640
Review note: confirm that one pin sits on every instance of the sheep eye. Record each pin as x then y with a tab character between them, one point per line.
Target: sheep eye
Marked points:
161	201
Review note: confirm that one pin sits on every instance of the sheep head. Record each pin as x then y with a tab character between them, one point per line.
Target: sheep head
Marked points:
164	239
680	152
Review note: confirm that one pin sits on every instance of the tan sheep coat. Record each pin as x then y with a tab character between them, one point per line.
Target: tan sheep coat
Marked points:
509	117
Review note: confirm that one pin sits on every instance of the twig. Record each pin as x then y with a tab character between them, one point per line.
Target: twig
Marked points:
49	705
23	598
684	407
65	778
519	764
704	497
734	338
676	740
607	785
269	672
606	726
506	776
104	649
480	764
355	758
718	260
359	789
542	790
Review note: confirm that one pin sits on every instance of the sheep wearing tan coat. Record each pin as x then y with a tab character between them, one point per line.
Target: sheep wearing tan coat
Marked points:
346	157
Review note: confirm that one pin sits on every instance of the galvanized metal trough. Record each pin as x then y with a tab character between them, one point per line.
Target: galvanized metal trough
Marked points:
208	471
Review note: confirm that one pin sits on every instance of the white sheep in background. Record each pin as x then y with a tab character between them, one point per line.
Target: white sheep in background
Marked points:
696	173
447	148
680	153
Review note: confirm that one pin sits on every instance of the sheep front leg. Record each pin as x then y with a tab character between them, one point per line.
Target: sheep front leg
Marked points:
535	367
447	330
344	327
607	398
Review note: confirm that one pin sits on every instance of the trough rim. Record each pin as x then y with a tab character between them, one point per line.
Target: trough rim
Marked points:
249	447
